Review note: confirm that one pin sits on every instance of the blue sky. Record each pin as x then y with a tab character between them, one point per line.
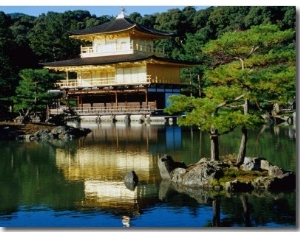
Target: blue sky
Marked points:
113	7
97	9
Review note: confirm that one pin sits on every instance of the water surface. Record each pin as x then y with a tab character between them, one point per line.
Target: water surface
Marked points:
80	183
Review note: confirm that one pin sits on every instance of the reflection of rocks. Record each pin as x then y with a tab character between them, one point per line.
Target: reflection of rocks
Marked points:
60	132
206	174
168	189
165	190
126	221
202	196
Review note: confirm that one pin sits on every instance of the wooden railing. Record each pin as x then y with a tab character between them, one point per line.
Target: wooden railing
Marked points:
111	109
121	48
108	81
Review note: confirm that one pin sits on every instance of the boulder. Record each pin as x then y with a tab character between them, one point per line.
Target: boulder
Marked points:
61	132
203	174
44	134
166	165
178	174
265	164
237	186
252	164
275	171
131	180
58	130
206	174
286	181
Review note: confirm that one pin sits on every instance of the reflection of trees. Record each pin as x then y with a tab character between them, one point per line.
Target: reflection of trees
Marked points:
275	144
259	209
216	204
246	210
216	212
241	209
29	177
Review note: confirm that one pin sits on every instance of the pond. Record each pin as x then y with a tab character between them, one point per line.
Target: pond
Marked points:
80	183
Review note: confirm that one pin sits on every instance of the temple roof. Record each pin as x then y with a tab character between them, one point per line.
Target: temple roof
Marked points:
106	60
120	24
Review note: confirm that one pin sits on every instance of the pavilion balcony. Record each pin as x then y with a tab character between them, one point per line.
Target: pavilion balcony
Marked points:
121	49
102	82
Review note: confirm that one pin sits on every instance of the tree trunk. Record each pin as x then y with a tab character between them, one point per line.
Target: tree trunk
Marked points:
242	150
214	146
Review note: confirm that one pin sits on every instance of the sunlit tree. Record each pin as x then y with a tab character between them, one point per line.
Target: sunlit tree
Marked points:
249	68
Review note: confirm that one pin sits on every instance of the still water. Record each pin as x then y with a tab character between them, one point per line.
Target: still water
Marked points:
80	183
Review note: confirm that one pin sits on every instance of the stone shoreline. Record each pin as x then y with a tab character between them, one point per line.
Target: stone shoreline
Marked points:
220	175
39	131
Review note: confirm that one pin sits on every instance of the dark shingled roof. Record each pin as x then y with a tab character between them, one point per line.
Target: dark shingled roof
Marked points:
119	24
103	60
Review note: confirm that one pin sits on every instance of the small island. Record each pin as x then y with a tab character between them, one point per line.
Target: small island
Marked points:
254	174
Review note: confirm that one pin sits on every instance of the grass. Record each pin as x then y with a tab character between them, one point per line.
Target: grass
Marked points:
240	175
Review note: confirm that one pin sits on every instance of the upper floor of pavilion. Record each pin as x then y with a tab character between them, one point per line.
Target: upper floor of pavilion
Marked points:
120	36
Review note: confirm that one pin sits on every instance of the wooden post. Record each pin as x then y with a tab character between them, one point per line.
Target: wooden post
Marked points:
116	97
67	78
146	96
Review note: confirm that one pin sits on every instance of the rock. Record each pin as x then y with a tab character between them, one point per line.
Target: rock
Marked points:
131	180
203	174
166	165
65	136
237	186
177	175
251	164
44	134
275	171
265	165
58	130
206	174
19	119
285	182
163	169
203	160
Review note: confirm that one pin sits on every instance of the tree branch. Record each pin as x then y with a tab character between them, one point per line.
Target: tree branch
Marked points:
252	51
228	102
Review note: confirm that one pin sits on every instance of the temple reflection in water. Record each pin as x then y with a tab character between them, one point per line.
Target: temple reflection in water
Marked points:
107	154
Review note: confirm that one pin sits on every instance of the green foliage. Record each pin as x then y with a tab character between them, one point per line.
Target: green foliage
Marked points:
204	113
32	92
7	70
253	65
265	69
49	38
46	38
